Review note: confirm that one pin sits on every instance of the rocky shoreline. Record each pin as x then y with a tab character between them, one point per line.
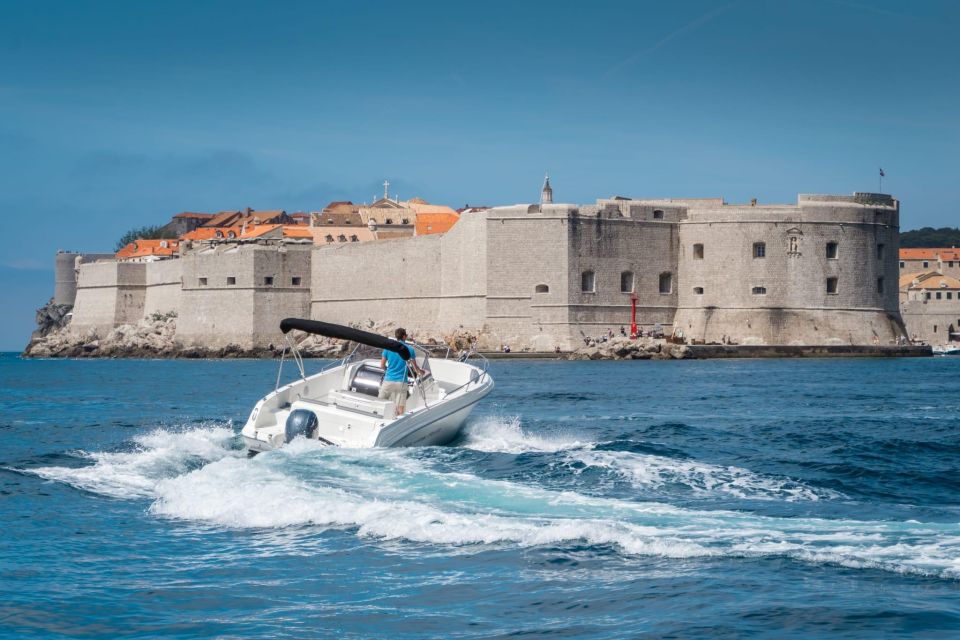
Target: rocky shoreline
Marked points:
155	337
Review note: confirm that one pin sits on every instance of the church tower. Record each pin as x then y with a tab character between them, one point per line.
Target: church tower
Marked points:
546	194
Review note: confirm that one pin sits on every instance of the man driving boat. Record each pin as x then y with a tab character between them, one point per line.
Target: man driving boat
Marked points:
394	386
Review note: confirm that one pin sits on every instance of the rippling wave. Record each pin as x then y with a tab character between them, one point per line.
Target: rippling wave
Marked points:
201	475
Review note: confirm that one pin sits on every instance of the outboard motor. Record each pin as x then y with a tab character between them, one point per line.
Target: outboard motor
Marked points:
301	423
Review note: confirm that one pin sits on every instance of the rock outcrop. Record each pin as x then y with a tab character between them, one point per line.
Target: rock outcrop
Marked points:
620	348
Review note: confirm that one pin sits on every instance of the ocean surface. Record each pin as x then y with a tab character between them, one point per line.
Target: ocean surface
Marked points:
715	499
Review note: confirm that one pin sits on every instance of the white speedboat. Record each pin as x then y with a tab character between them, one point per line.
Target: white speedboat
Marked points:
339	406
946	350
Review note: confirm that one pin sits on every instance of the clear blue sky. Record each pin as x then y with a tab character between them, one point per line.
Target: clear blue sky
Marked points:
119	114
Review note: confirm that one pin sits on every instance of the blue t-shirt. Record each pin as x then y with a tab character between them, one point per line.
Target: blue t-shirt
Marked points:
396	366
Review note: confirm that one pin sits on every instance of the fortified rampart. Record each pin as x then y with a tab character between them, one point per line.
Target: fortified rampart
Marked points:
820	272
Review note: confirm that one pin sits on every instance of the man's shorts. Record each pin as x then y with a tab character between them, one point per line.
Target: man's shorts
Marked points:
394	391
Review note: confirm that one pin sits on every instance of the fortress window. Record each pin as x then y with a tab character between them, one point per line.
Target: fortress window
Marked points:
926	265
698	291
759	249
879	285
202	282
231	234
231	280
389	221
901	264
658	214
541	288
698	252
832	250
880	248
218	233
666	282
831	285
268	281
939	295
949	295
405	221
934	328
329	238
295	281
759	291
927	295
626	282
588	282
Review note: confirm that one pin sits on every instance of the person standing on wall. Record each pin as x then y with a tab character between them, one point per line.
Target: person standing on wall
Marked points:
394	385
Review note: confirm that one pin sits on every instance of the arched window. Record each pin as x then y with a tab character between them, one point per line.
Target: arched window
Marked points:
329	238
626	282
666	282
231	234
342	238
354	239
218	233
541	288
588	282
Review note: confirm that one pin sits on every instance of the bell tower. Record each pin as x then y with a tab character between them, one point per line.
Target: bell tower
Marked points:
546	194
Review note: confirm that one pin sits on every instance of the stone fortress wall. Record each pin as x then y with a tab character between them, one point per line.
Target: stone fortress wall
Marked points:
543	276
761	274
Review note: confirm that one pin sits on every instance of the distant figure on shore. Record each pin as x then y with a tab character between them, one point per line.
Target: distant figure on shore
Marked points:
623	331
506	348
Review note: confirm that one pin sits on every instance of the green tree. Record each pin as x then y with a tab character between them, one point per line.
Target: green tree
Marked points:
144	233
930	237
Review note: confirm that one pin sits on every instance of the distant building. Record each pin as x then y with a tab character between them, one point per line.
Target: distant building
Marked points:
384	219
930	306
186	222
148	250
941	260
249	217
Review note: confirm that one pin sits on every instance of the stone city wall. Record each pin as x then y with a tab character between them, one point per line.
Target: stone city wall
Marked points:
543	276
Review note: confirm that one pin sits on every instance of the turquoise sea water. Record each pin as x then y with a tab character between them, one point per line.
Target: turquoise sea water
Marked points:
752	498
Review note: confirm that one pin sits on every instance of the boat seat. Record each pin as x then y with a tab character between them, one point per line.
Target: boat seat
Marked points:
362	403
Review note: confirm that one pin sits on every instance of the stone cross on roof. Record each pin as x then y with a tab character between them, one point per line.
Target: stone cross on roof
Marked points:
386	187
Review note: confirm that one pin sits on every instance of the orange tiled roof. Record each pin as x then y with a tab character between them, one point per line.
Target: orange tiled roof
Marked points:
429	223
907	278
297	231
930	254
212	233
937	281
258	230
141	248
